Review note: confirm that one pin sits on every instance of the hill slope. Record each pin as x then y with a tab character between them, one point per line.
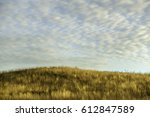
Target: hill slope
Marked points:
73	83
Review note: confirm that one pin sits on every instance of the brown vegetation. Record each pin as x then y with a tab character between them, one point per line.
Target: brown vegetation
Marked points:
73	83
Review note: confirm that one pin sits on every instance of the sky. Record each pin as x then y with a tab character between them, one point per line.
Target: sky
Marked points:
105	35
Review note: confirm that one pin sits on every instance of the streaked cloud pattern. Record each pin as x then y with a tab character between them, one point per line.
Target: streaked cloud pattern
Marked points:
109	35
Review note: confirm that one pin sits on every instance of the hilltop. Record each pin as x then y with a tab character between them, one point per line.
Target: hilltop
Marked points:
73	83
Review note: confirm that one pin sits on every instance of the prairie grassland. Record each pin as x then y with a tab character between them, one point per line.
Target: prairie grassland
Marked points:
73	83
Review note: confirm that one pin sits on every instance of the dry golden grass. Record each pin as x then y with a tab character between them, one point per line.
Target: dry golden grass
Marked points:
73	83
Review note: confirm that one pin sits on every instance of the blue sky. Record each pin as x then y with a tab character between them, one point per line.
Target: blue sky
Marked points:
111	35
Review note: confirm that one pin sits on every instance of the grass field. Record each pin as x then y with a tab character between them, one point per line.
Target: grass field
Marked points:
73	83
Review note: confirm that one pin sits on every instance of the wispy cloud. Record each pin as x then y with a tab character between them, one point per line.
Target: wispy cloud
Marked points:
96	34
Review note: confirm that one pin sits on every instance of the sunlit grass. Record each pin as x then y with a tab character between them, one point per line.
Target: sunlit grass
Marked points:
73	83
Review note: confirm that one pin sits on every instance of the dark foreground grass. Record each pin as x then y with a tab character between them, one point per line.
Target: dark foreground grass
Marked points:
73	83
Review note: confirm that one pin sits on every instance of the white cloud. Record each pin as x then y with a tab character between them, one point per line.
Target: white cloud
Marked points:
69	32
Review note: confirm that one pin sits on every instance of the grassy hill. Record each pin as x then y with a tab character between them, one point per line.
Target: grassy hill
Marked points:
73	83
